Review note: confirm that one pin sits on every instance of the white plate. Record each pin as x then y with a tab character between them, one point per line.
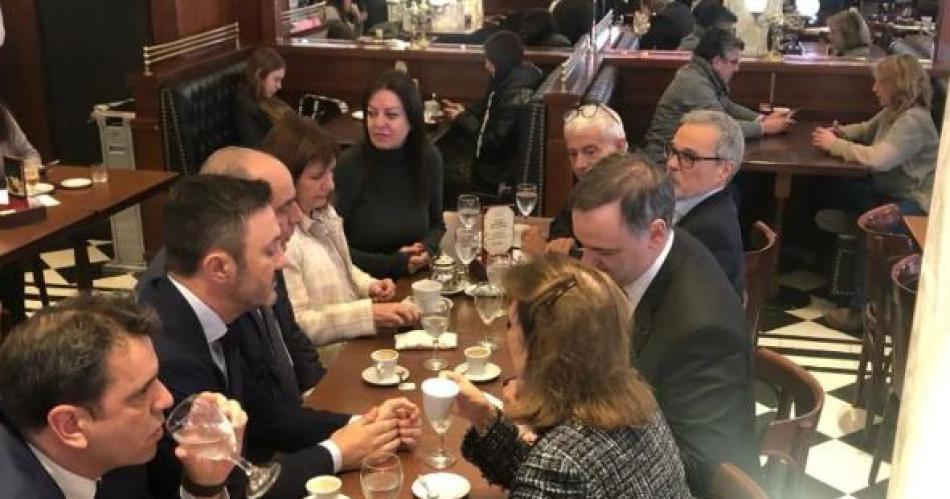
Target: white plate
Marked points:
75	183
357	115
445	485
491	372
42	188
371	376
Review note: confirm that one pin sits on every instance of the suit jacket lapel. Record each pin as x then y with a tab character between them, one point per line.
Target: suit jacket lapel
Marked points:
643	316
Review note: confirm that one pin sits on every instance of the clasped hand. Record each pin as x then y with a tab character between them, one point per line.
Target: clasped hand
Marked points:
385	428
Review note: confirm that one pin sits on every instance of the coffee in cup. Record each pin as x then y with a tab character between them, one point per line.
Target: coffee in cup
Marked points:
476	358
385	362
324	487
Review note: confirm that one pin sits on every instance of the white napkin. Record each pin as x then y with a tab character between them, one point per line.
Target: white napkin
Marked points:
418	339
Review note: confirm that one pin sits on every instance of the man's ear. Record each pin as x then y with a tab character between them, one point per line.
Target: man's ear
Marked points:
658	232
218	266
69	424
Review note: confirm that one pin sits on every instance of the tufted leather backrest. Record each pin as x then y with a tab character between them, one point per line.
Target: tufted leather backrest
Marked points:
196	117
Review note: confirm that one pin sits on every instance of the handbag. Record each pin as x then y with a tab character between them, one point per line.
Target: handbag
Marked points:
321	108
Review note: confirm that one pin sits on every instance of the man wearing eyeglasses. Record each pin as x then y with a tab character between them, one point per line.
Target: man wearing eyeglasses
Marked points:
703	83
591	133
702	158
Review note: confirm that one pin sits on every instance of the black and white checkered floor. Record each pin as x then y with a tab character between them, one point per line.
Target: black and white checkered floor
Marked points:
839	460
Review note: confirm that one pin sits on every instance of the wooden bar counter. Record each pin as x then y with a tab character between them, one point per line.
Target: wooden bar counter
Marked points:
343	390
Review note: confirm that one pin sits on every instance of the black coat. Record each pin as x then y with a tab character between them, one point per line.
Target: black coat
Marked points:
715	223
689	343
250	122
668	27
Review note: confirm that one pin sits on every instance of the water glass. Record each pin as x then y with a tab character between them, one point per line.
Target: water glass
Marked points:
469	209
526	197
490	304
99	173
381	476
435	321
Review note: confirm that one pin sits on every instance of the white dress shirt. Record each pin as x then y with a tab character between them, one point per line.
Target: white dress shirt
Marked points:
638	287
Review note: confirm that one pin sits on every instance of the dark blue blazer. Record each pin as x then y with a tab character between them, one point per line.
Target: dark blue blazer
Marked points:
715	223
21	474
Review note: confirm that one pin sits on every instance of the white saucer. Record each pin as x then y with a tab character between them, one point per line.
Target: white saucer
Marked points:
75	183
445	485
357	115
42	188
370	375
460	287
491	372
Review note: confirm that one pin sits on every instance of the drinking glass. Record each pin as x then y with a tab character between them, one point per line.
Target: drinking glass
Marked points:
198	424
468	243
526	197
435	320
381	476
469	208
490	304
497	266
438	395
99	173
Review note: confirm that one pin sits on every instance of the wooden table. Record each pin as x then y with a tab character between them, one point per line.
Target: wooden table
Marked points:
917	224
78	210
343	390
348	131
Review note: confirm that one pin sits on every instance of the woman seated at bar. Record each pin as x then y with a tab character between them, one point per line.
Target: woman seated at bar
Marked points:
256	105
596	428
389	186
333	299
899	144
849	35
344	20
490	124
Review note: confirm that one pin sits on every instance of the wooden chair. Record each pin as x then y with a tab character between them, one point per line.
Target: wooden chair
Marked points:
730	482
787	439
759	270
885	243
904	276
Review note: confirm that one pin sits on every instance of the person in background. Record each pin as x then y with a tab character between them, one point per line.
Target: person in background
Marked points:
13	144
81	406
670	22
597	430
389	186
256	105
333	300
591	132
849	34
703	83
491	123
536	29
572	18
899	144
708	14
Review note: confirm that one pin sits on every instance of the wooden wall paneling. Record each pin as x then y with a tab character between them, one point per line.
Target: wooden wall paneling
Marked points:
558	176
253	15
195	17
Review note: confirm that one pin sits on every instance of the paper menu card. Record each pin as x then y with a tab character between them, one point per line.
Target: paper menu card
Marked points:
498	230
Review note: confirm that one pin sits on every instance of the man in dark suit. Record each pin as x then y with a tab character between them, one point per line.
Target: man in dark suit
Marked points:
688	339
671	21
223	252
704	155
80	400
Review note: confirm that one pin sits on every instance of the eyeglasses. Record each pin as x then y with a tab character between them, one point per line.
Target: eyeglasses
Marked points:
547	298
685	159
588	110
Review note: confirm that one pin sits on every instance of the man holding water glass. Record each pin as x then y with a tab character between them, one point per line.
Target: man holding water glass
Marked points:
81	406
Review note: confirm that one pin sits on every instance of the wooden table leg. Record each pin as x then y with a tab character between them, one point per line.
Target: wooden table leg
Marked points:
783	189
83	268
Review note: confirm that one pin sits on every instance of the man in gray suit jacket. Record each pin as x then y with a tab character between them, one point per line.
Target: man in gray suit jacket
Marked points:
688	339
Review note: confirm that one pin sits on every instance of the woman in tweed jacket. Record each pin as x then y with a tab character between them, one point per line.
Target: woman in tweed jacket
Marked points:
597	430
333	300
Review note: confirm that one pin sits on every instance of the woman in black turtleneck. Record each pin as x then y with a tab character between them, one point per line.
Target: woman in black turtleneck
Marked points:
389	187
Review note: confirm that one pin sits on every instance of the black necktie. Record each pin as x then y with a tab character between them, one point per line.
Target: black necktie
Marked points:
282	363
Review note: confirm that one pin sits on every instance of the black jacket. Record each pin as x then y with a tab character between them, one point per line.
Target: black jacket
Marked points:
668	27
496	161
715	223
689	343
250	122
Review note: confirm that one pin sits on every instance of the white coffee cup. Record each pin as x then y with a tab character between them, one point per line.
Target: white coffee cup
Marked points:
324	487
385	361
520	230
438	394
477	359
426	292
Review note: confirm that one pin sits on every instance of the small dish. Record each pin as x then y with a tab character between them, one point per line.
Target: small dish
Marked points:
459	288
491	372
444	484
75	183
43	188
371	376
357	115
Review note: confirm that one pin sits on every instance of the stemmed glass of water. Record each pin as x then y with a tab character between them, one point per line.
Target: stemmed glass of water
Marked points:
381	476
435	321
490	303
469	208
198	424
526	197
468	243
438	395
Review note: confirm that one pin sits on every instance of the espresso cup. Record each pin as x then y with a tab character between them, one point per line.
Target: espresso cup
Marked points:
477	359
385	361
427	292
324	487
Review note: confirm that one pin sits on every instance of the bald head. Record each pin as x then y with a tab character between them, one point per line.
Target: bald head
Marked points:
251	164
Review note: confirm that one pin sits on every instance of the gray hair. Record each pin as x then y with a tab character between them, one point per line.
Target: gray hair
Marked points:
599	116
730	144
645	191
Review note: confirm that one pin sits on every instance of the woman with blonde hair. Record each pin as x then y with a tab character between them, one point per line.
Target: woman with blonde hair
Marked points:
256	106
849	34
598	429
899	145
